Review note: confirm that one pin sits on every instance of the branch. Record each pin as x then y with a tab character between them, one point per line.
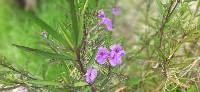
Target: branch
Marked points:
165	18
23	73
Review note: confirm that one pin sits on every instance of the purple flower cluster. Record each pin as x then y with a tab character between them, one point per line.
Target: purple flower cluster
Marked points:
114	56
104	20
107	22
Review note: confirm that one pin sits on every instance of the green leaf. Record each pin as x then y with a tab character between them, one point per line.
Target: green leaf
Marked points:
133	81
58	89
192	89
75	21
80	84
67	35
56	35
161	54
44	82
84	7
43	53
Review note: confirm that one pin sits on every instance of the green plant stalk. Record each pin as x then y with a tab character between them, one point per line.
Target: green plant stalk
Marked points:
77	35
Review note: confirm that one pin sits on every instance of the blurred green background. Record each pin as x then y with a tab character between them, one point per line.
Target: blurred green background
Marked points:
17	29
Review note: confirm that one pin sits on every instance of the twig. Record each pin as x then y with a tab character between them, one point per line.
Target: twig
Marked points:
93	88
79	61
83	51
190	67
97	3
23	73
165	19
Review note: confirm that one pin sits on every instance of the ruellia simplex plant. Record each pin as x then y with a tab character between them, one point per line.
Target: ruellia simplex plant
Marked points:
83	50
84	55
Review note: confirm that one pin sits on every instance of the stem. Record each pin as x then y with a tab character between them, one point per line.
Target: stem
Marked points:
93	88
97	3
109	70
76	35
23	73
165	19
79	61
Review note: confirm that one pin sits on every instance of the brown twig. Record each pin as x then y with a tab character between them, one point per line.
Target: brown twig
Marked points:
93	88
78	56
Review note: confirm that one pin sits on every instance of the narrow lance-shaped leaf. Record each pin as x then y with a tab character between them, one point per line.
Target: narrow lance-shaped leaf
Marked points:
50	30
67	34
44	82
43	53
75	22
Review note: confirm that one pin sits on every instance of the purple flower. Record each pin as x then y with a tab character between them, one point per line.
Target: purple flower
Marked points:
116	48
91	75
107	22
102	55
116	55
115	10
115	59
101	14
